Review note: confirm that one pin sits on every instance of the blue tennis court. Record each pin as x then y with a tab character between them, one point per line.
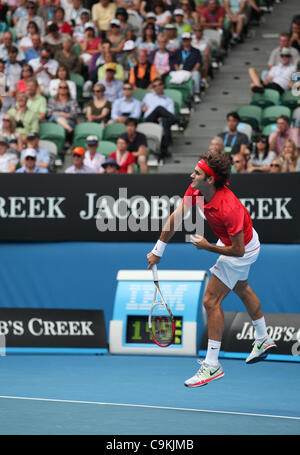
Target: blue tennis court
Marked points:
145	395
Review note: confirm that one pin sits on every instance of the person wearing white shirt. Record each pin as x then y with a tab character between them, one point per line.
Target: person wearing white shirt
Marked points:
159	108
92	158
127	106
75	12
45	70
8	161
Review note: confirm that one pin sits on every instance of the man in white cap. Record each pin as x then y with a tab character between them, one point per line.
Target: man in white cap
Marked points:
189	59
181	25
92	158
30	166
129	55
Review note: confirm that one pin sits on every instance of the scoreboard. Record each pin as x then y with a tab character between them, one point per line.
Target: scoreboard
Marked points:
183	290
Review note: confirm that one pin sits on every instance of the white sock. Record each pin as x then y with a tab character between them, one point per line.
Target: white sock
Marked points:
260	327
212	354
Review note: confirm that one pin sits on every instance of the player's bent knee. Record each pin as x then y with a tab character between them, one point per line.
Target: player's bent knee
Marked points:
210	302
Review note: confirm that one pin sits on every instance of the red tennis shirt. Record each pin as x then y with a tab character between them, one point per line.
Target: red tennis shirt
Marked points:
225	214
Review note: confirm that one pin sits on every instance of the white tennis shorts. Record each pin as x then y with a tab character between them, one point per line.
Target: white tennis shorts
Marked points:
231	269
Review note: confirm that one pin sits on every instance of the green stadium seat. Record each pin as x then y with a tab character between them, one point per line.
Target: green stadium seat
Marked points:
251	115
106	148
289	100
267	130
176	97
268	98
270	114
113	131
186	88
85	129
140	93
54	133
79	81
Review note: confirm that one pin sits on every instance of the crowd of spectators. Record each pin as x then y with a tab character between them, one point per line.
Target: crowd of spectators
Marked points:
119	47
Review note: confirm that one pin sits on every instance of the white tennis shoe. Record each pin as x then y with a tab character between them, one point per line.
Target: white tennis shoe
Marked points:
205	374
261	348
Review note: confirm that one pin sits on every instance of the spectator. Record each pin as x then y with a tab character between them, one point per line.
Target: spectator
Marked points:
181	26
189	59
212	16
8	128
36	102
6	46
236	14
26	120
255	12
20	11
44	69
147	42
159	108
103	13
26	75
261	157
46	11
26	42
110	166
42	154
109	57
124	158
93	159
35	50
53	39
8	161
137	144
217	144
144	73
62	74
189	15
62	109
275	57
22	23
234	140
98	108
173	41
290	157
59	18
127	106
276	166
239	164
129	56
278	78
30	166
78	33
133	5
203	46
67	56
163	15
115	36
126	28
161	58
13	71
113	87
283	132
91	44
78	167
75	12
295	34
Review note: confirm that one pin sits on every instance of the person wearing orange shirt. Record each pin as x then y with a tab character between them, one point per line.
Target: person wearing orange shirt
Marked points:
144	73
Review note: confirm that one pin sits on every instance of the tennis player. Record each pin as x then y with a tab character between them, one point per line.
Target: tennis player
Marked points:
238	247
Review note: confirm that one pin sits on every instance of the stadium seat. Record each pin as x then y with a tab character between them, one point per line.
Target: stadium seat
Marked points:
268	98
140	93
243	128
84	129
267	130
54	133
251	115
153	133
186	88
52	148
113	131
79	81
289	100
106	148
296	114
270	114
176	97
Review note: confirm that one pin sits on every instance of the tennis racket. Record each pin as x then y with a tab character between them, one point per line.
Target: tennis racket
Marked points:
161	320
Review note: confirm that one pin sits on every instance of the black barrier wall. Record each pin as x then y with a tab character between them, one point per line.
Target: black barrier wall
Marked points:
58	207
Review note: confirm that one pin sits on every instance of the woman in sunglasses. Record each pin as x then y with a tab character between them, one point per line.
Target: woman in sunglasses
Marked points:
62	109
261	156
276	166
98	109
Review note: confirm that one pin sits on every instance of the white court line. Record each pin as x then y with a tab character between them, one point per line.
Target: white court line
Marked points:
169	408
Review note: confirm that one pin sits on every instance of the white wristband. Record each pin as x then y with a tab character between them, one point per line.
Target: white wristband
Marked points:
159	248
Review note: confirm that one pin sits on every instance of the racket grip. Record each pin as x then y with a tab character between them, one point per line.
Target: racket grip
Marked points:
154	272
